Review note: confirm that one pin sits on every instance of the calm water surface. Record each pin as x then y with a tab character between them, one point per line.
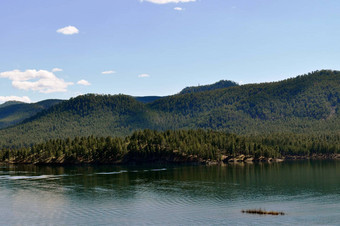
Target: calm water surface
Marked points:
307	191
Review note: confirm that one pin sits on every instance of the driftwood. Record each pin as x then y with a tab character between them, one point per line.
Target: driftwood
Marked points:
262	212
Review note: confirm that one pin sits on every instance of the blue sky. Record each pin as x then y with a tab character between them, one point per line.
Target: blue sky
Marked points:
158	47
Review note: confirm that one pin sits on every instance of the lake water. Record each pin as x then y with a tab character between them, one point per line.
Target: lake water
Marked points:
307	191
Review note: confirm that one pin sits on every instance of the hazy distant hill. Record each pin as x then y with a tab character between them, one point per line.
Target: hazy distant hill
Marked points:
218	85
14	112
305	104
148	99
8	103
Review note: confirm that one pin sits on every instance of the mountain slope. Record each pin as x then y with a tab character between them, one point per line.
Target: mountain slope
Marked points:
317	91
82	116
305	104
312	97
14	112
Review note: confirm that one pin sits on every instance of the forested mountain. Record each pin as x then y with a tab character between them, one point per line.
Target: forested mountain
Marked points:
218	85
91	114
307	104
14	112
302	104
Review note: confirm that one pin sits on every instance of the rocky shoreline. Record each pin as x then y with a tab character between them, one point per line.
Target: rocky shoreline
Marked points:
183	159
250	159
247	159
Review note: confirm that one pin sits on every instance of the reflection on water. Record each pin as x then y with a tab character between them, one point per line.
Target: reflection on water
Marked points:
307	191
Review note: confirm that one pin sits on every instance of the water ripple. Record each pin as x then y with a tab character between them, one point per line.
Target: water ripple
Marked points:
181	196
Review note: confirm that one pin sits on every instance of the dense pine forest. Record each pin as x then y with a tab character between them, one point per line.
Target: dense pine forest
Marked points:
198	146
297	116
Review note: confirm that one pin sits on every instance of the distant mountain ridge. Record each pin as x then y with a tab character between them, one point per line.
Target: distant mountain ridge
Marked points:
306	104
10	116
201	88
12	102
14	112
148	99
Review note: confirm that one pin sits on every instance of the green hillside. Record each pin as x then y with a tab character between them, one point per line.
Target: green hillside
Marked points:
302	104
14	112
307	104
90	114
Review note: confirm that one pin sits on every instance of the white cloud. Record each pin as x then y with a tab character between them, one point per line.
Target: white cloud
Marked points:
143	76
69	30
168	1
108	72
15	98
42	81
178	8
56	69
83	82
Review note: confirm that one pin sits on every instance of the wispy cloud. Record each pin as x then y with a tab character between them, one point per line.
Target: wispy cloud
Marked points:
83	82
108	72
15	98
168	1
56	69
69	30
42	81
178	9
143	76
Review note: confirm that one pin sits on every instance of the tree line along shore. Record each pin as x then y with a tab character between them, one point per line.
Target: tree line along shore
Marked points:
176	146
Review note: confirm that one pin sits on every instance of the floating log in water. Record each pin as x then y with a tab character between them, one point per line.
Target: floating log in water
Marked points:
262	212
